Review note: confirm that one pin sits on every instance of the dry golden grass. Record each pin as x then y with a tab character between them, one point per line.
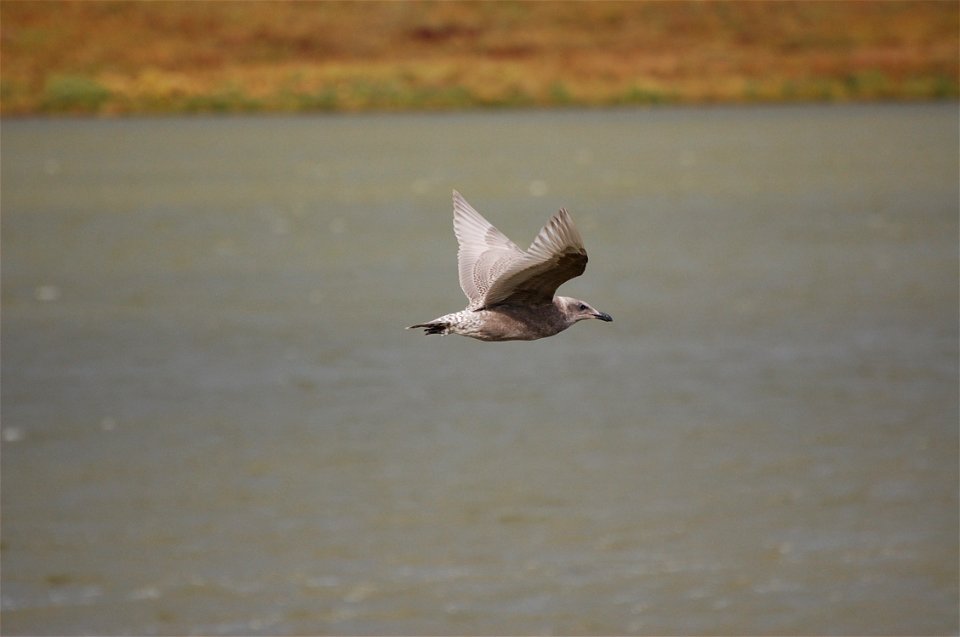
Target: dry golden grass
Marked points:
134	57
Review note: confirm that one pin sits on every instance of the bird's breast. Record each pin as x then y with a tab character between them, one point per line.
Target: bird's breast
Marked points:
521	323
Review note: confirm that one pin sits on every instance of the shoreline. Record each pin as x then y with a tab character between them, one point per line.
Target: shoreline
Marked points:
572	108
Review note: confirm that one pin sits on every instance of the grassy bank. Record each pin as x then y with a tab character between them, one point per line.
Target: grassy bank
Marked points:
175	57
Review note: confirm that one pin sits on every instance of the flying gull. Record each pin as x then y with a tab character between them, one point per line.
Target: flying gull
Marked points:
511	291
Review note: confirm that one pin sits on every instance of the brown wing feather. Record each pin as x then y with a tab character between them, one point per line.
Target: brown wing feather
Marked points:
555	256
538	284
493	270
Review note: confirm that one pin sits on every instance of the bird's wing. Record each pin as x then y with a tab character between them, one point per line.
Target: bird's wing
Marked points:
485	253
555	256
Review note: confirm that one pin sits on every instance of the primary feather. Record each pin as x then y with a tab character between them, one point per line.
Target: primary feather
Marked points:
493	270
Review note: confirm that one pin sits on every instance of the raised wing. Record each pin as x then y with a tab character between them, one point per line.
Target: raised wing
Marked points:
555	256
485	253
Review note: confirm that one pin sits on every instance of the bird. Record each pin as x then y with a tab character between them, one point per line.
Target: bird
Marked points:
511	292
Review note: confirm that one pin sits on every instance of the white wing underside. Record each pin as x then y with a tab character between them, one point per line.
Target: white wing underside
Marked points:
494	270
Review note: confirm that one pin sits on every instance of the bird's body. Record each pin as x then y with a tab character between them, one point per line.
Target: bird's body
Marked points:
504	322
511	291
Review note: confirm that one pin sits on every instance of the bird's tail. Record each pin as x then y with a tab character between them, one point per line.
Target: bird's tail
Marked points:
433	327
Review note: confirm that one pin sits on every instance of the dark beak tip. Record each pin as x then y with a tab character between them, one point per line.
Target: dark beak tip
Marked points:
603	316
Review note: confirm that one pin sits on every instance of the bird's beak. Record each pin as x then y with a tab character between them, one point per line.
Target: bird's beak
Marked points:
603	316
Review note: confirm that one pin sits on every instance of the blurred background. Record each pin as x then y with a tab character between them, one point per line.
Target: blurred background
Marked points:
176	57
213	421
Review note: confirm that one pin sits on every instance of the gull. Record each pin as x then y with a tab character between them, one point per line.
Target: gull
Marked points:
511	292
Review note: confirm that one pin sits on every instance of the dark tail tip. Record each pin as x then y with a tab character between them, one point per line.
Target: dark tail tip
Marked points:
431	328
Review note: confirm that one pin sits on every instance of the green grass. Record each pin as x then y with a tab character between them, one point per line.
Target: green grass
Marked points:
73	93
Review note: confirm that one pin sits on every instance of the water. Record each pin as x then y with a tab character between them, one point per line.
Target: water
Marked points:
214	421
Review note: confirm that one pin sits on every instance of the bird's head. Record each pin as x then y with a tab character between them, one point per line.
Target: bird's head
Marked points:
576	310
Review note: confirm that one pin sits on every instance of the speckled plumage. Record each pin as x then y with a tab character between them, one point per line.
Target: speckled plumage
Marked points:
511	291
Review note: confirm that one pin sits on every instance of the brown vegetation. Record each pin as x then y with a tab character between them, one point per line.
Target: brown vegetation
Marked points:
156	57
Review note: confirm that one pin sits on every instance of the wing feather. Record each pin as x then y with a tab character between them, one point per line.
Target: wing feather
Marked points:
484	252
556	255
495	270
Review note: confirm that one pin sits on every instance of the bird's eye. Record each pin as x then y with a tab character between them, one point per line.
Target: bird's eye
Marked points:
582	307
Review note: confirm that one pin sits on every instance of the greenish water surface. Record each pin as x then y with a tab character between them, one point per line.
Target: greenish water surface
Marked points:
213	421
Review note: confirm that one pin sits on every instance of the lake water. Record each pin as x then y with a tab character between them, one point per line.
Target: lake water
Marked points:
214	421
